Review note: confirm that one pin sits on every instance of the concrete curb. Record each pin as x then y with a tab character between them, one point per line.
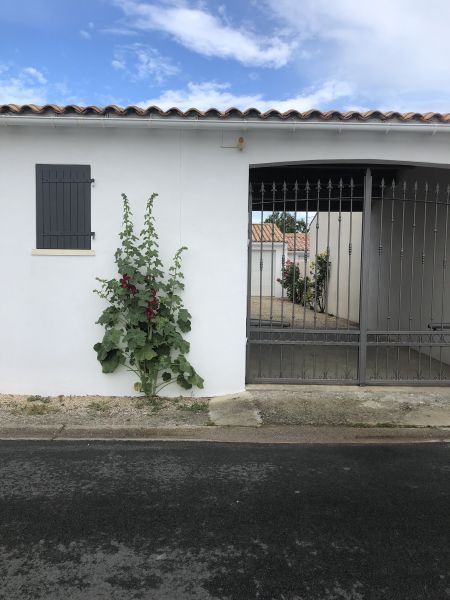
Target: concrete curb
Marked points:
323	412
266	434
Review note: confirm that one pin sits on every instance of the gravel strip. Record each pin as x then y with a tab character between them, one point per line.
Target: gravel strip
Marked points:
101	411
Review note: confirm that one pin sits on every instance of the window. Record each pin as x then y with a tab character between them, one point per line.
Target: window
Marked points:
63	207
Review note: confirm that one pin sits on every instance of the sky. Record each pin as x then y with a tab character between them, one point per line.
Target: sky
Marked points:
283	54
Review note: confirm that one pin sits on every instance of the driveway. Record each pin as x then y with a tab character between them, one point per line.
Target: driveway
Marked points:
282	310
84	520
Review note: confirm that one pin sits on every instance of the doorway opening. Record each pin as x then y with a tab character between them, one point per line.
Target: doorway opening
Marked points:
348	275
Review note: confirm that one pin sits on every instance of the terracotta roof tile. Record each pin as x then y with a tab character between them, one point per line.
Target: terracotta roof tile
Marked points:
230	113
267	230
296	241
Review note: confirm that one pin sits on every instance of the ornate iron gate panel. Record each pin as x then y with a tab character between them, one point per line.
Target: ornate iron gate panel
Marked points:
408	337
305	239
348	280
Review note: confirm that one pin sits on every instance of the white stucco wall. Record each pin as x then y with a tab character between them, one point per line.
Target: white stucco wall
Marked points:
272	261
49	313
48	309
344	279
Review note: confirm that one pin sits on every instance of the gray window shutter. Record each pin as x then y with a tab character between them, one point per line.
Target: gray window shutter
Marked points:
63	206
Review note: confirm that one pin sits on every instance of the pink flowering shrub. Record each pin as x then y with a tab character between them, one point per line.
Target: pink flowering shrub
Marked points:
297	287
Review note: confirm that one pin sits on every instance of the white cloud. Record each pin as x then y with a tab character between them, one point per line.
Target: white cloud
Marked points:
119	31
86	33
14	91
218	95
207	34
29	86
26	86
394	53
119	64
142	62
33	73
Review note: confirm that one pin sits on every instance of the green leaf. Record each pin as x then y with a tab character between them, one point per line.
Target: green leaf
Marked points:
138	386
182	364
184	320
136	338
182	382
112	361
164	362
101	352
196	381
145	353
185	327
111	339
164	350
166	376
184	315
183	346
109	360
109	317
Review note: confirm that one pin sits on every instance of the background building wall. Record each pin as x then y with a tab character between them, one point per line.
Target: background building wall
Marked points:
272	261
344	279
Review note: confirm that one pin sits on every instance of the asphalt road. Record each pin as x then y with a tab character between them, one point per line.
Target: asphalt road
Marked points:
177	520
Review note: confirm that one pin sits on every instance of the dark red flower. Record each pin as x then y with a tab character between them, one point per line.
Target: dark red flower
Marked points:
124	281
150	314
126	285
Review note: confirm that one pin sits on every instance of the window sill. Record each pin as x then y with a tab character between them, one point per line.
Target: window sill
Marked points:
61	252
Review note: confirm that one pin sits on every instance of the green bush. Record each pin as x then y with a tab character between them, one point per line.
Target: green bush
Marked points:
310	291
320	273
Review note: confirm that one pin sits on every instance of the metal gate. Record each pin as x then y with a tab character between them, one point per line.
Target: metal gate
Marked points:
347	277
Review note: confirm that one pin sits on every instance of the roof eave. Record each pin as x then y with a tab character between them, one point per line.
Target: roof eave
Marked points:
241	124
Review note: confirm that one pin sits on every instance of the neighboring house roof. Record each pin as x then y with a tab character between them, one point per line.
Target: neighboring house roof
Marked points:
266	232
297	241
230	114
273	233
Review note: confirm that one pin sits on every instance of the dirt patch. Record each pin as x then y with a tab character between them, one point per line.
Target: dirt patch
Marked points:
101	411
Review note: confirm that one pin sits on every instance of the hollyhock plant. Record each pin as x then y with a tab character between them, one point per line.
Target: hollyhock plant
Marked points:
145	320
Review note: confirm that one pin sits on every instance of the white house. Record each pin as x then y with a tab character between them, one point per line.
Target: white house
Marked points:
270	249
200	163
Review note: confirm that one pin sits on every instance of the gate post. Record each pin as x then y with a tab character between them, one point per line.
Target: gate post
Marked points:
365	266
249	279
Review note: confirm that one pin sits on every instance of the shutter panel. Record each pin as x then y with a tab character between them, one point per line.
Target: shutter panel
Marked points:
63	206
